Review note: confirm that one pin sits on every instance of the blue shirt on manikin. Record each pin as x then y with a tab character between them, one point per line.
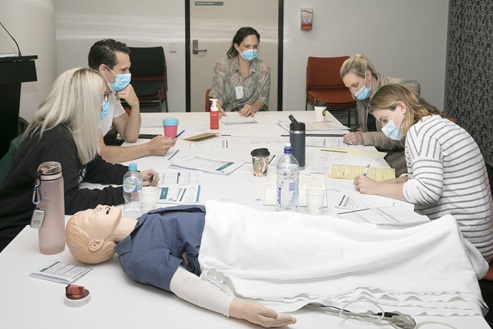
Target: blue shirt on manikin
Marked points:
153	251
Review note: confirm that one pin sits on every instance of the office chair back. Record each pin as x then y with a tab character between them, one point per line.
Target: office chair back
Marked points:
149	75
324	84
207	101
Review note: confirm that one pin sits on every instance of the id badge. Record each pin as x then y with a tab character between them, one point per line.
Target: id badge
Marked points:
239	92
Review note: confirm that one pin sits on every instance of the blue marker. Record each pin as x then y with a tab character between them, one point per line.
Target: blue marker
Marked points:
179	134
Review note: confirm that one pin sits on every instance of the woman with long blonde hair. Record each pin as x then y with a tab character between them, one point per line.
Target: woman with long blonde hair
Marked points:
64	129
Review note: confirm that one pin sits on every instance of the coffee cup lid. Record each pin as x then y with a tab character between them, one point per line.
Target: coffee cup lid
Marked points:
170	122
260	152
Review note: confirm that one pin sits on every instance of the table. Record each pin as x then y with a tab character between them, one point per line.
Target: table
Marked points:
118	302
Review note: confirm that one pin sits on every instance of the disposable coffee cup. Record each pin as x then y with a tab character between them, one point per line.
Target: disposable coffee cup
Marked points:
170	127
260	161
320	111
315	200
148	198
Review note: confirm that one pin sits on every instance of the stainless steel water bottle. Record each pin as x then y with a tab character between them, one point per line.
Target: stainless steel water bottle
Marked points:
297	138
50	208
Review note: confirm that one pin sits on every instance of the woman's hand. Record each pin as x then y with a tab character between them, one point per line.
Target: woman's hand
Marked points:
353	138
365	185
248	110
149	177
259	314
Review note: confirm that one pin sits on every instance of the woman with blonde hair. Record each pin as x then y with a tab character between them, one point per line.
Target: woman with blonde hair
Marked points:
363	81
64	129
446	171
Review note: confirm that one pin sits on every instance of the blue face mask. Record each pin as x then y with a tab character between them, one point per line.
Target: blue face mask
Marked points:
363	93
105	108
392	131
121	81
249	54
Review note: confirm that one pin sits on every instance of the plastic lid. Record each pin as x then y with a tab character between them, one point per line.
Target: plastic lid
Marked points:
170	122
214	105
132	166
288	149
261	152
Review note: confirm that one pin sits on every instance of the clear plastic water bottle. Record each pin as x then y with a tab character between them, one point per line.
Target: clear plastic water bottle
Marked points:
132	186
288	174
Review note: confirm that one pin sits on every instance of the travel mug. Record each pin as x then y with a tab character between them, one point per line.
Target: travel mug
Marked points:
320	110
297	139
50	193
260	161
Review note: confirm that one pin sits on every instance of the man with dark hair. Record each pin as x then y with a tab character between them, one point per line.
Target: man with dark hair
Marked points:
111	58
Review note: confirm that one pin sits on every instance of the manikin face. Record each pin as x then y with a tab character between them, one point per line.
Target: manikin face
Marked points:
354	82
100	222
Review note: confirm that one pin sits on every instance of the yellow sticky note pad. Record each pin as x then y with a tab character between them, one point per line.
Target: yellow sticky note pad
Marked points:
350	172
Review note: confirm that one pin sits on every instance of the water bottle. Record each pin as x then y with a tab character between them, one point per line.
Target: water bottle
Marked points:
132	185
288	173
50	210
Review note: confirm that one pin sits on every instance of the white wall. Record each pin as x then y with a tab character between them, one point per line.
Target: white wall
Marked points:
402	38
32	24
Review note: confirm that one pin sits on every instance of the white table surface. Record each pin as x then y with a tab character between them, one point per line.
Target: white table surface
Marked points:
118	302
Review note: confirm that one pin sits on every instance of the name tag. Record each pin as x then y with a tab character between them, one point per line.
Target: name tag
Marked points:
239	92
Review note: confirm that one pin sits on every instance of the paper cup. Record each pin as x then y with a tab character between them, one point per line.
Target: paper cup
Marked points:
315	199
148	198
170	127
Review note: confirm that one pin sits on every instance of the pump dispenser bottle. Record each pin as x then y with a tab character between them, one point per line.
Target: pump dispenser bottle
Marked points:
214	114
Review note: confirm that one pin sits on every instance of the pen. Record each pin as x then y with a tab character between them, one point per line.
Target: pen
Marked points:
366	170
179	134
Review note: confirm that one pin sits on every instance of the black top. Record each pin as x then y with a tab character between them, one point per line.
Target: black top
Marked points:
58	145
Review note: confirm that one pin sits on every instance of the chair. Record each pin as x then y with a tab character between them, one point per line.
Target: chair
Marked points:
324	84
149	75
207	101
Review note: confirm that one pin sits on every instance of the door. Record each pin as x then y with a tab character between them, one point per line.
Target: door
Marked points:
212	26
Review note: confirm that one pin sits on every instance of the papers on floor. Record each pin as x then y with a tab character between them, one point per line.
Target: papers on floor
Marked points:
234	118
179	187
207	165
306	181
61	272
385	216
349	172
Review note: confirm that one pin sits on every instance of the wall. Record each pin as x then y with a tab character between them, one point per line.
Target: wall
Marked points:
32	24
470	70
403	38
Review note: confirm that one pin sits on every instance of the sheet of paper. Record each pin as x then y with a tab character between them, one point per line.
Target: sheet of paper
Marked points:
331	126
180	178
61	272
189	193
349	172
385	216
234	118
207	165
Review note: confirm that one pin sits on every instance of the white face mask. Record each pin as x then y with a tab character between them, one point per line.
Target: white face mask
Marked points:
392	131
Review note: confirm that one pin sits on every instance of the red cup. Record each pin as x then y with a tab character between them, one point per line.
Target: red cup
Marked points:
170	127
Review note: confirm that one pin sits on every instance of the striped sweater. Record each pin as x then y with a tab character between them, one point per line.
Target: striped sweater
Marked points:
447	175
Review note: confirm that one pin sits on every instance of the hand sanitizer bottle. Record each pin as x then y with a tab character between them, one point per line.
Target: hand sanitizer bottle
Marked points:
214	114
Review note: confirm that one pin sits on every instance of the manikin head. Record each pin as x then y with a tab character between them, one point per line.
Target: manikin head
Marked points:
92	234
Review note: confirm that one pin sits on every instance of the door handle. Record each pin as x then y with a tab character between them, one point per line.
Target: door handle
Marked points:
195	48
